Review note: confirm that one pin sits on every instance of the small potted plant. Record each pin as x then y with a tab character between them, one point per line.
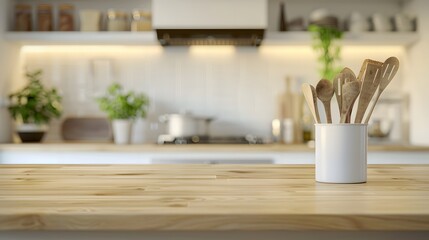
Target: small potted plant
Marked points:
324	38
122	108
33	107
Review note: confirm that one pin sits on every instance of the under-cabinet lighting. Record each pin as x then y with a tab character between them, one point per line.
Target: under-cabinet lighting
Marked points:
379	50
285	51
123	50
212	50
305	51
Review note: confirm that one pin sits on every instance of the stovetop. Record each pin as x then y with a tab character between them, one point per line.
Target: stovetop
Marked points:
248	139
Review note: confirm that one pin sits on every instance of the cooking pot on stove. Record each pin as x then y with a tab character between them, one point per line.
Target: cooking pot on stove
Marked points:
186	125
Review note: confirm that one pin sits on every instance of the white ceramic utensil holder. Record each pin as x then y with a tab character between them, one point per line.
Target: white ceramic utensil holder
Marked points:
341	153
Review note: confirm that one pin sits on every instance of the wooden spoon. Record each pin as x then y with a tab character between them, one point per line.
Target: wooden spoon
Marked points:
388	71
370	83
325	91
351	91
311	98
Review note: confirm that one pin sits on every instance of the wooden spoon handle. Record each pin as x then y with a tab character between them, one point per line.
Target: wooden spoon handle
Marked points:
311	99
373	106
327	106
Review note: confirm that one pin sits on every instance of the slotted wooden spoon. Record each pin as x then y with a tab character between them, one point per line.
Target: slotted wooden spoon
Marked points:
311	98
351	91
370	83
325	91
346	75
388	71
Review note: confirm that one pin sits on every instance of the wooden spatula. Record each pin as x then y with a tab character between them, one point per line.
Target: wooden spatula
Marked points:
325	91
351	91
349	76
346	75
311	98
388	71
370	83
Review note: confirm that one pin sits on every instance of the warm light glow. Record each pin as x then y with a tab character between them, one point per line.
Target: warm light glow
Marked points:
126	50
307	51
286	51
212	50
376	50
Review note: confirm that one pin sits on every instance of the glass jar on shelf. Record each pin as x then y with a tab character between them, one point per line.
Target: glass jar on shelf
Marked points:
142	21
117	20
23	17
44	17
66	17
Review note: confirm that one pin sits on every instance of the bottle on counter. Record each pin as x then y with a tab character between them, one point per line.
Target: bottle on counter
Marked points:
142	21
23	17
66	17
288	131
117	20
44	17
282	18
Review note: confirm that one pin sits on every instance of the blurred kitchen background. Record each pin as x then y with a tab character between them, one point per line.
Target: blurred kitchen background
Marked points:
238	86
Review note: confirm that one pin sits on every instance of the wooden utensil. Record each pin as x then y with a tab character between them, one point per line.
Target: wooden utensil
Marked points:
325	91
346	75
370	83
351	91
338	85
388	71
349	76
311	98
362	70
285	101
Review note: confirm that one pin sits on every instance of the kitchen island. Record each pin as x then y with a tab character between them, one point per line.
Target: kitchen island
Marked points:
209	202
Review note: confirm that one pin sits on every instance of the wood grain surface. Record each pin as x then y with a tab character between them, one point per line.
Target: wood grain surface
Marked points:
209	197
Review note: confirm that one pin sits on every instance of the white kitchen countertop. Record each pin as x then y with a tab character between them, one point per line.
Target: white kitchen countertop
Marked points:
110	147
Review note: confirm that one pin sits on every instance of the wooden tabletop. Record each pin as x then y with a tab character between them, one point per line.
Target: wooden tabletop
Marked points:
209	197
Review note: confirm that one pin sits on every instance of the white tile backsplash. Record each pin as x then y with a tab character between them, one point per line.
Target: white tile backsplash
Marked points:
237	86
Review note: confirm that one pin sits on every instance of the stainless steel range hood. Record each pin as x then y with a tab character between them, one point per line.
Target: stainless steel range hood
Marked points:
210	22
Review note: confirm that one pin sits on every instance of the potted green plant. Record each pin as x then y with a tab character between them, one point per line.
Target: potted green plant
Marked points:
33	107
122	108
324	38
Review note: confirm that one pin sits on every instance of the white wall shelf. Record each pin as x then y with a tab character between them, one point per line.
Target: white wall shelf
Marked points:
81	38
367	38
149	38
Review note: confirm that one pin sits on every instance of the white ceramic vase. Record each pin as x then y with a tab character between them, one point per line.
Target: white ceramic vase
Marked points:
122	130
341	153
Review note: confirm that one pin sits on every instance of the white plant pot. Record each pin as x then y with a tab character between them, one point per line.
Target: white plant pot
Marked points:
122	130
341	153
